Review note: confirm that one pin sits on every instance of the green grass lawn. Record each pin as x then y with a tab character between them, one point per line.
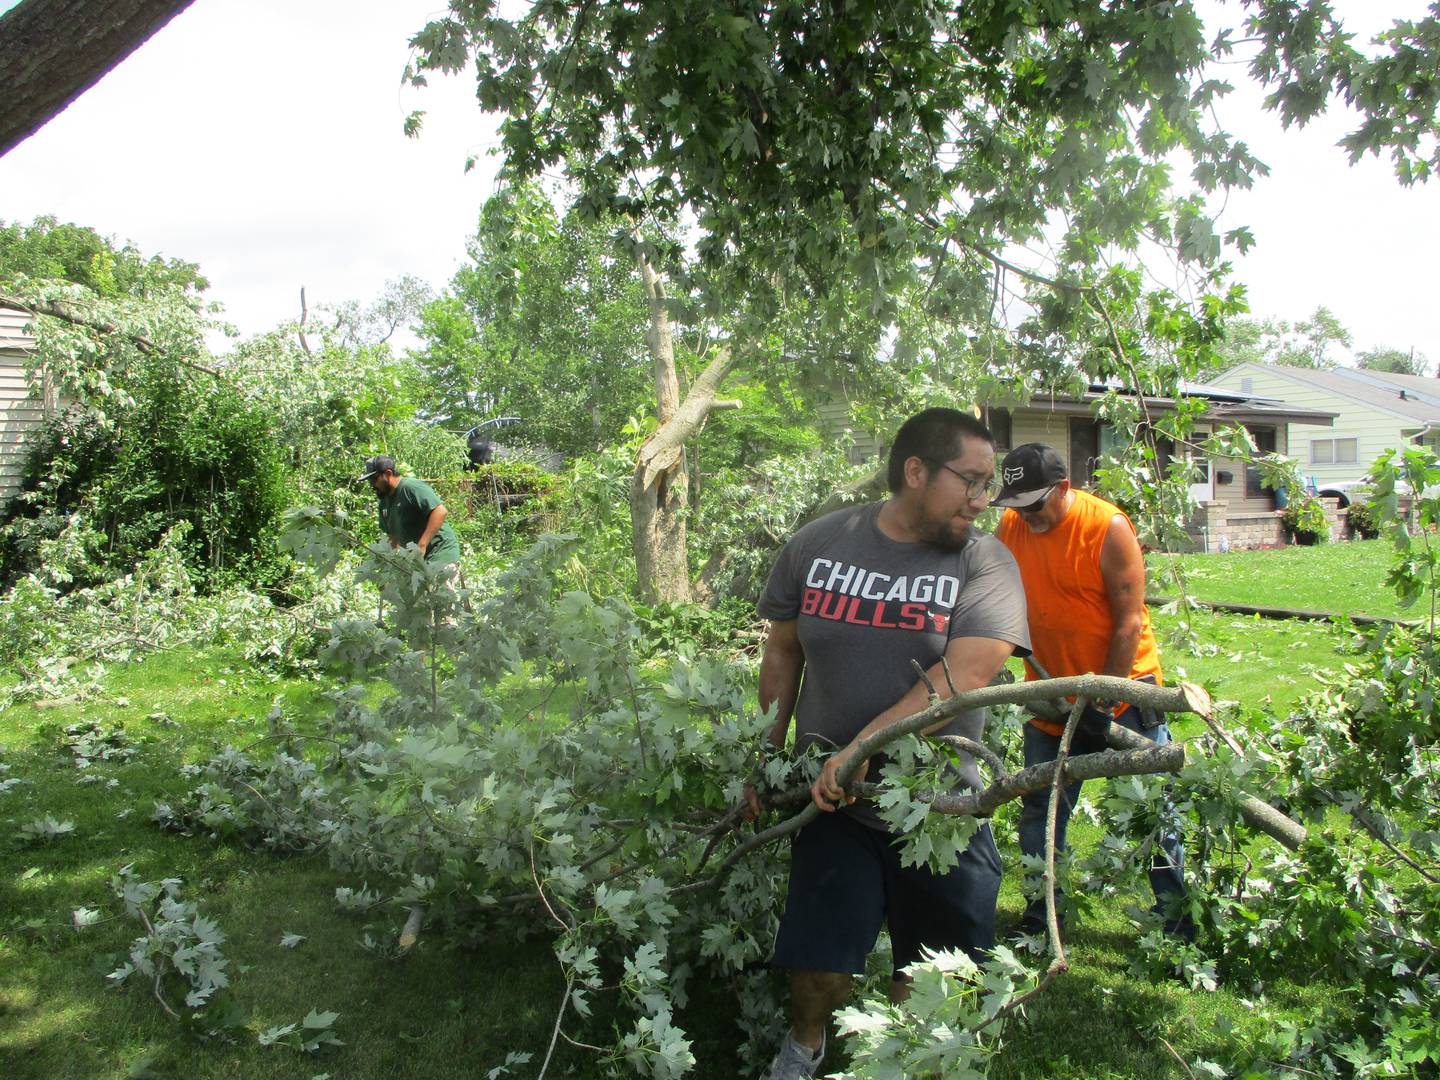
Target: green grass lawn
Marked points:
445	1010
1346	579
1252	661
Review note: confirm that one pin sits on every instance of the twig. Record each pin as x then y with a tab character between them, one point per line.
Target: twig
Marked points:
1221	734
160	974
945	666
555	1031
583	1045
1374	830
300	326
535	876
1057	791
1178	1058
924	678
980	750
1046	979
639	724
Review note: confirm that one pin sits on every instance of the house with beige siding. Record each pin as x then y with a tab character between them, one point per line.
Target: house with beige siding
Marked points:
1374	411
24	402
1231	503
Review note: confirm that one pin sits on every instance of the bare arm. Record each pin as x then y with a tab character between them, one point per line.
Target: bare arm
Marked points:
432	526
1122	568
781	665
973	662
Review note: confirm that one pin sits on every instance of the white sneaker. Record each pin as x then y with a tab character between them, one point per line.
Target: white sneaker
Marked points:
794	1061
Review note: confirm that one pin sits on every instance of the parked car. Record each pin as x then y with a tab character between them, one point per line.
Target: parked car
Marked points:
1348	491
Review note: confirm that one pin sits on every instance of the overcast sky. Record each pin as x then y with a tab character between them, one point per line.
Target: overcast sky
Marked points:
262	139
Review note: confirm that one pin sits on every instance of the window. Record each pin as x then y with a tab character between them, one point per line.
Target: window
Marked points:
1084	450
998	421
1334	451
1265	443
1092	441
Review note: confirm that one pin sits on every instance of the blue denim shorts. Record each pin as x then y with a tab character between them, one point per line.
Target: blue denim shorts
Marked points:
846	879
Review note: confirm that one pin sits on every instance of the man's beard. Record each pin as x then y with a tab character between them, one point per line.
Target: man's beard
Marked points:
946	536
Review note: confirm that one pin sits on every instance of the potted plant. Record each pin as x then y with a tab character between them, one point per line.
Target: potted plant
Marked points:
1304	520
1362	521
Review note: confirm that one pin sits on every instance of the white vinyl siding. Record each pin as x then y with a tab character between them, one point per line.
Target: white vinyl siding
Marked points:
21	411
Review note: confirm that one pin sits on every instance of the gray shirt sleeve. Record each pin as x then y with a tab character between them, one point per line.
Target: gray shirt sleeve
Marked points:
992	604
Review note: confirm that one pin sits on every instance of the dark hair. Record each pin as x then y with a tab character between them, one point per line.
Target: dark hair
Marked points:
934	436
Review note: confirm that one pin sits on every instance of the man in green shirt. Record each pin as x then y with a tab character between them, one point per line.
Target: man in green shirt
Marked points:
411	512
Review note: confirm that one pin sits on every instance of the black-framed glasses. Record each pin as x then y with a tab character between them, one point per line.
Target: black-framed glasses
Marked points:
974	486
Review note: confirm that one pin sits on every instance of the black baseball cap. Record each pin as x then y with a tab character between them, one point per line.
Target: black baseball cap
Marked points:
377	464
1028	473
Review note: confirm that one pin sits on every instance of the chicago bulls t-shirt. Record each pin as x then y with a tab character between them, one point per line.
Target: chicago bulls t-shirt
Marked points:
866	606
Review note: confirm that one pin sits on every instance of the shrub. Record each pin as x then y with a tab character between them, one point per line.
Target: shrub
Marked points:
187	453
1304	518
1362	520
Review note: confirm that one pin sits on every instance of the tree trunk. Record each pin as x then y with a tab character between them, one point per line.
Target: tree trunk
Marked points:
55	50
660	485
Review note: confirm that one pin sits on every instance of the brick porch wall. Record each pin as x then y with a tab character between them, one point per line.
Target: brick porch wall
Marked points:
1246	530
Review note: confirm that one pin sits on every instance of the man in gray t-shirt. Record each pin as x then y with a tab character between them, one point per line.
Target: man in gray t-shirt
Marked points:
854	598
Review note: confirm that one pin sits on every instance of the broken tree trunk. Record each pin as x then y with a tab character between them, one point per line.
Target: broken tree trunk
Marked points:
659	487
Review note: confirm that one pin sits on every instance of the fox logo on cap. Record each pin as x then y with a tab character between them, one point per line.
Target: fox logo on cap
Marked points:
1012	475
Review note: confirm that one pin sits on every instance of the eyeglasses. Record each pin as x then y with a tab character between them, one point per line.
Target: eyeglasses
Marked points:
975	487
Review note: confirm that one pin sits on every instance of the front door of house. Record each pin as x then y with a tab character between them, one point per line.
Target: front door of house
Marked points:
1202	487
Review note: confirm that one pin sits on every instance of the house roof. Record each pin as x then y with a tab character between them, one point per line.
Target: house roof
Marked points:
13	337
1379	389
1223	405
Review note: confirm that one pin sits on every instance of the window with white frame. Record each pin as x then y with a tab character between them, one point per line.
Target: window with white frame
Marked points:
1334	451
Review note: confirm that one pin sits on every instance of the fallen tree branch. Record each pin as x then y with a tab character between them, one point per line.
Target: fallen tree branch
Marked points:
55	310
1260	816
1150	759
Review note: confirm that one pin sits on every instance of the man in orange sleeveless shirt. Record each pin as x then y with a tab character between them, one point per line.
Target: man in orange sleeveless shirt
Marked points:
1084	578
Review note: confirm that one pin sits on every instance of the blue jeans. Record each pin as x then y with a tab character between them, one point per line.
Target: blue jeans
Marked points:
1167	878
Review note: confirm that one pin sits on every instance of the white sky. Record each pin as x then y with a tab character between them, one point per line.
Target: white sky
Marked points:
262	139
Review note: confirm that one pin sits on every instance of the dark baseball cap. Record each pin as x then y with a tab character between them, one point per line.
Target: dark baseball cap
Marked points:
1027	475
377	464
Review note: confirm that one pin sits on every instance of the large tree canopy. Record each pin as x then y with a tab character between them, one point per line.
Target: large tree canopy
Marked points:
914	140
984	176
879	140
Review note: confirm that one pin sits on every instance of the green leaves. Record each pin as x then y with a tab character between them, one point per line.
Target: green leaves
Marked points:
179	946
44	829
308	1036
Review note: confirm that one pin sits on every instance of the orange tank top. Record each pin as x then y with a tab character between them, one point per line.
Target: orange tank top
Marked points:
1068	608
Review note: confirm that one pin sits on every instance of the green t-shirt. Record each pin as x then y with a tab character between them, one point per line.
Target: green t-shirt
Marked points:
403	515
